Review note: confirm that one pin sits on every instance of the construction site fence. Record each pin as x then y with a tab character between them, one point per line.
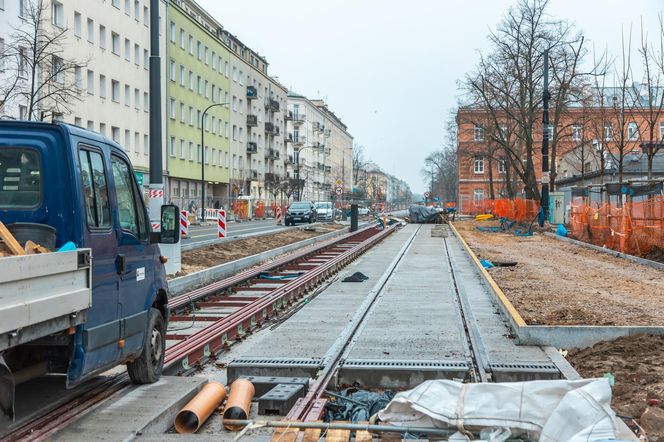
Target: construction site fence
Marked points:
635	228
517	209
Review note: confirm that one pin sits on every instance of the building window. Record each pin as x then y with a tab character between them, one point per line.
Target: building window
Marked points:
146	16
191	151
661	132
207	56
115	90
58	66
115	134
91	82
146	102
77	25
234	74
102	86
115	43
632	131
127	49
577	132
23	8
182	38
102	36
191	45
137	54
91	125
171	108
191	116
502	165
171	68
91	30
128	7
137	10
478	164
182	76
171	150
182	113
78	77
127	95
58	15
127	140
146	58
479	133
199	153
199	50
172	32
191	81
608	131
116	3
182	149
478	194
137	99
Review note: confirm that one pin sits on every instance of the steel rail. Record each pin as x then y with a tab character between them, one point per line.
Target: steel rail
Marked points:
310	407
184	299
208	341
49	423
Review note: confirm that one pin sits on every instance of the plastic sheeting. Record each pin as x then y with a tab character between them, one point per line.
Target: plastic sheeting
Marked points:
421	214
548	411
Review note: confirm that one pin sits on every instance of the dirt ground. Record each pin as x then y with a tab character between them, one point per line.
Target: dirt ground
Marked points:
636	364
199	259
555	283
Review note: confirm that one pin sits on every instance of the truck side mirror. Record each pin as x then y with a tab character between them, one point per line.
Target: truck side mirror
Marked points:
170	224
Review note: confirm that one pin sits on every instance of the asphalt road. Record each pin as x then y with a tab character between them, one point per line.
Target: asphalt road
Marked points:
207	233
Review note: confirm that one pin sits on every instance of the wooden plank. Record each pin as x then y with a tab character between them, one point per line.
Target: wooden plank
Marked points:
32	247
285	435
312	434
338	435
363	435
10	241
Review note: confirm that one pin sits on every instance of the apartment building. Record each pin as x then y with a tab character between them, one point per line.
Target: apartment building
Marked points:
319	148
11	12
112	41
591	142
257	124
382	187
198	97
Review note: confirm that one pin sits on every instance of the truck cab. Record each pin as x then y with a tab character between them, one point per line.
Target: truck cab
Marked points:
83	185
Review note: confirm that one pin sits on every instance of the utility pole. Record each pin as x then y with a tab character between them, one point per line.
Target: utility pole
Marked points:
546	175
156	195
431	195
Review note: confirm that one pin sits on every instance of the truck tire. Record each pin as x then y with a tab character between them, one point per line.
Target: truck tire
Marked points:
147	368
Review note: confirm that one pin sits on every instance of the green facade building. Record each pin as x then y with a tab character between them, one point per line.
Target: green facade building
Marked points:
197	76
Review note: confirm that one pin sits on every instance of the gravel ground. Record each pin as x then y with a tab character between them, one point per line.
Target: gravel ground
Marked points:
555	283
200	259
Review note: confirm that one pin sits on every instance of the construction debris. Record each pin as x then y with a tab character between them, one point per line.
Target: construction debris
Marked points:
9	243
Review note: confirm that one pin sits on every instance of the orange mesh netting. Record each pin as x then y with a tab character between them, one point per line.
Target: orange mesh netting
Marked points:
519	210
636	228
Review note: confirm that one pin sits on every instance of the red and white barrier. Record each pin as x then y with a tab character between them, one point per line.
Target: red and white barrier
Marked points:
221	224
156	227
278	215
184	223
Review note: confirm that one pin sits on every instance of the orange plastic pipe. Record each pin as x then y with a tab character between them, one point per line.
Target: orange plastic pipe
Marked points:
196	412
239	402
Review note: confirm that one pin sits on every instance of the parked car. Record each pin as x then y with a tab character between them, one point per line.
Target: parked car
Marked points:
301	212
325	211
362	211
81	186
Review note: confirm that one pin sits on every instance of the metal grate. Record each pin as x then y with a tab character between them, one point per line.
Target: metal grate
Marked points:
277	362
398	364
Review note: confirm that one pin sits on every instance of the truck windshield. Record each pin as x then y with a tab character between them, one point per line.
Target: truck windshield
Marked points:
20	178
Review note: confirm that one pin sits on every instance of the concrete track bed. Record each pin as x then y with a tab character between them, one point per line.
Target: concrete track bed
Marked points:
564	295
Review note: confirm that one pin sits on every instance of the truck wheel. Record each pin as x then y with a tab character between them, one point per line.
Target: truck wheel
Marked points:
147	368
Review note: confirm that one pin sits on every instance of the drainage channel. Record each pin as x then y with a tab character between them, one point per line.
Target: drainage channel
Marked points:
209	319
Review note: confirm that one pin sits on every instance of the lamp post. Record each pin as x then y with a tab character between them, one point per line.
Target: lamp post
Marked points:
297	159
203	155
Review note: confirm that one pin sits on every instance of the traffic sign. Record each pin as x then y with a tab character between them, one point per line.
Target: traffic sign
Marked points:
436	198
339	191
427	194
339	182
139	178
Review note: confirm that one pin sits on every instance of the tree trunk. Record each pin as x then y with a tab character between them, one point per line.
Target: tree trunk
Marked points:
492	194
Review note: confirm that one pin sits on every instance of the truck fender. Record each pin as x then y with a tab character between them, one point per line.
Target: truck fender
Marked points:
6	392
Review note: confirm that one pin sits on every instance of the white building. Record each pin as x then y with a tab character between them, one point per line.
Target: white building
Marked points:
11	12
322	147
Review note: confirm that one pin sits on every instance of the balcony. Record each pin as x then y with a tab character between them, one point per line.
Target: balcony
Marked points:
289	116
276	130
252	147
289	160
253	174
299	140
252	93
252	120
272	154
269	128
298	119
271	104
328	169
288	138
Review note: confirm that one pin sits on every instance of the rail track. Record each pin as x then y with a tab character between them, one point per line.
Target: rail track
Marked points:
207	320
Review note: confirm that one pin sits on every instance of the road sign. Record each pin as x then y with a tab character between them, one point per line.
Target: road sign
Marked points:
339	191
436	198
427	194
339	182
139	178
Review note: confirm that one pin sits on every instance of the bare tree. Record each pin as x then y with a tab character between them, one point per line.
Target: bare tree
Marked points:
359	163
9	75
507	83
50	86
444	164
649	98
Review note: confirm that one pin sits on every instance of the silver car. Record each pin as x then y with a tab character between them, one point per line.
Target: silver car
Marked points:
325	211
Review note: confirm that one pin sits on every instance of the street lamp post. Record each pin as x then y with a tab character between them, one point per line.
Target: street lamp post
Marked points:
203	156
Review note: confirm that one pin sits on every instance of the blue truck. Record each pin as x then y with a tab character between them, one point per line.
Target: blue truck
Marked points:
75	189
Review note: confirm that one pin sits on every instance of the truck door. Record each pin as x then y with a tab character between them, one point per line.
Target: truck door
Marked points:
101	331
136	254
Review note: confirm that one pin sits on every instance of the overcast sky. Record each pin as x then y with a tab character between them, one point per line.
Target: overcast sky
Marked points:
389	68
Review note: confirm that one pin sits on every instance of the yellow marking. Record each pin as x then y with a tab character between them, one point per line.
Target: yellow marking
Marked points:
501	295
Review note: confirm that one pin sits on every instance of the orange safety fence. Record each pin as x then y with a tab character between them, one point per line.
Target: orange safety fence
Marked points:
517	209
636	228
259	210
241	209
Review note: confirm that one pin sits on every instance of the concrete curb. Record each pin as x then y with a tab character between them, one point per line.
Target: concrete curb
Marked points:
196	279
635	259
558	336
211	242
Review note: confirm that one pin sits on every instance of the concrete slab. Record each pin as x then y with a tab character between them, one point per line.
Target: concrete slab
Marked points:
143	409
